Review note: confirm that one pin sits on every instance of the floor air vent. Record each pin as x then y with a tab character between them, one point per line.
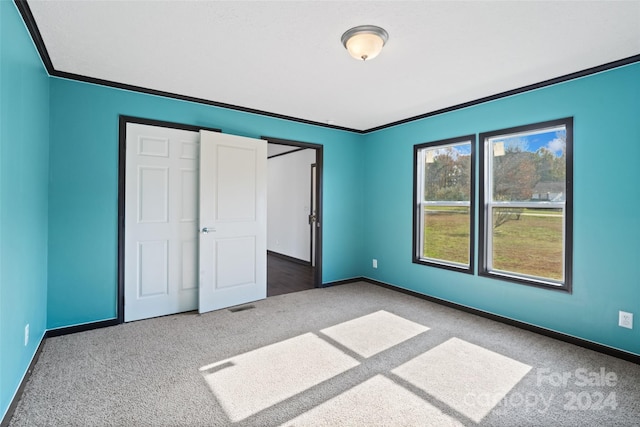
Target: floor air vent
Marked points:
241	308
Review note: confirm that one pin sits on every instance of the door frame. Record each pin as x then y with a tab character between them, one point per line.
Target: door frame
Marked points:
313	207
319	174
122	147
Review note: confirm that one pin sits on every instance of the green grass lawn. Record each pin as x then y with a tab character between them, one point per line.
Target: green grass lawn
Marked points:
529	245
446	235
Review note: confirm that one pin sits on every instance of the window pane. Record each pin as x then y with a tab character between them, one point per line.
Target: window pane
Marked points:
530	166
528	241
447	173
447	233
444	197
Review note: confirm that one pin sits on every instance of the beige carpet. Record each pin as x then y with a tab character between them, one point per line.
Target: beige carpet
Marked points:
352	355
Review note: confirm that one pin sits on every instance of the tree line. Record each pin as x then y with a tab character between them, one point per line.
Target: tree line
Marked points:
516	173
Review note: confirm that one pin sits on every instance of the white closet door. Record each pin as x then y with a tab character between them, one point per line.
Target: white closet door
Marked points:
233	220
161	221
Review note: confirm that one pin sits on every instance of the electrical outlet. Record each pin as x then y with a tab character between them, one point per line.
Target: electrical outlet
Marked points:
375	263
26	334
625	319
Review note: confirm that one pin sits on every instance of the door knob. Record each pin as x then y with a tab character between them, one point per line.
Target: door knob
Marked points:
207	230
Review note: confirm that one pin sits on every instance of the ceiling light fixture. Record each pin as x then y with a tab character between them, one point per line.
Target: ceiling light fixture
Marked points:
364	41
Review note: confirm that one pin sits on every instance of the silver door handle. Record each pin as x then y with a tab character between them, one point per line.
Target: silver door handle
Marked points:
207	230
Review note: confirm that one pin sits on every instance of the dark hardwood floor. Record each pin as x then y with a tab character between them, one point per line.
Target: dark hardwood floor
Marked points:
285	276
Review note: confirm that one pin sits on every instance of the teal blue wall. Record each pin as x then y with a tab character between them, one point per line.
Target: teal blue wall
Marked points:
24	148
606	111
58	200
84	189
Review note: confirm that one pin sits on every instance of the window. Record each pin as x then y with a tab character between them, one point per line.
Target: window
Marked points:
526	195
444	208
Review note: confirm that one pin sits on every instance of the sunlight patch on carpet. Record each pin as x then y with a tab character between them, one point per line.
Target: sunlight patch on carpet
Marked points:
376	402
371	334
470	379
251	382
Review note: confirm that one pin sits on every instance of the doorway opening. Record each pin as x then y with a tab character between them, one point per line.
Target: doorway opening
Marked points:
294	242
315	200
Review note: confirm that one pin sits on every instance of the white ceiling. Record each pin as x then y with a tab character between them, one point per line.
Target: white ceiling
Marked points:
285	57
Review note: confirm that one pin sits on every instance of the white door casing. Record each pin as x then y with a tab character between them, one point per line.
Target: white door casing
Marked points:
233	220
161	221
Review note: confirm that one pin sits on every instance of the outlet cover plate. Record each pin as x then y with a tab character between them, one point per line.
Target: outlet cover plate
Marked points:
625	319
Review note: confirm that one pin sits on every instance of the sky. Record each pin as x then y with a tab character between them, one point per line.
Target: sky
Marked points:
549	139
533	142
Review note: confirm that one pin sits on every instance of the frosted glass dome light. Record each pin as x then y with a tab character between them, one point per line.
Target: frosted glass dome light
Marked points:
365	41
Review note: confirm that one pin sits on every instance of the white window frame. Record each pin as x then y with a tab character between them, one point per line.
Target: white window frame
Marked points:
421	204
489	205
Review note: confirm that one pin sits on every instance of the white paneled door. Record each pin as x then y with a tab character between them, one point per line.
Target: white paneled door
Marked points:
161	221
167	267
233	220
